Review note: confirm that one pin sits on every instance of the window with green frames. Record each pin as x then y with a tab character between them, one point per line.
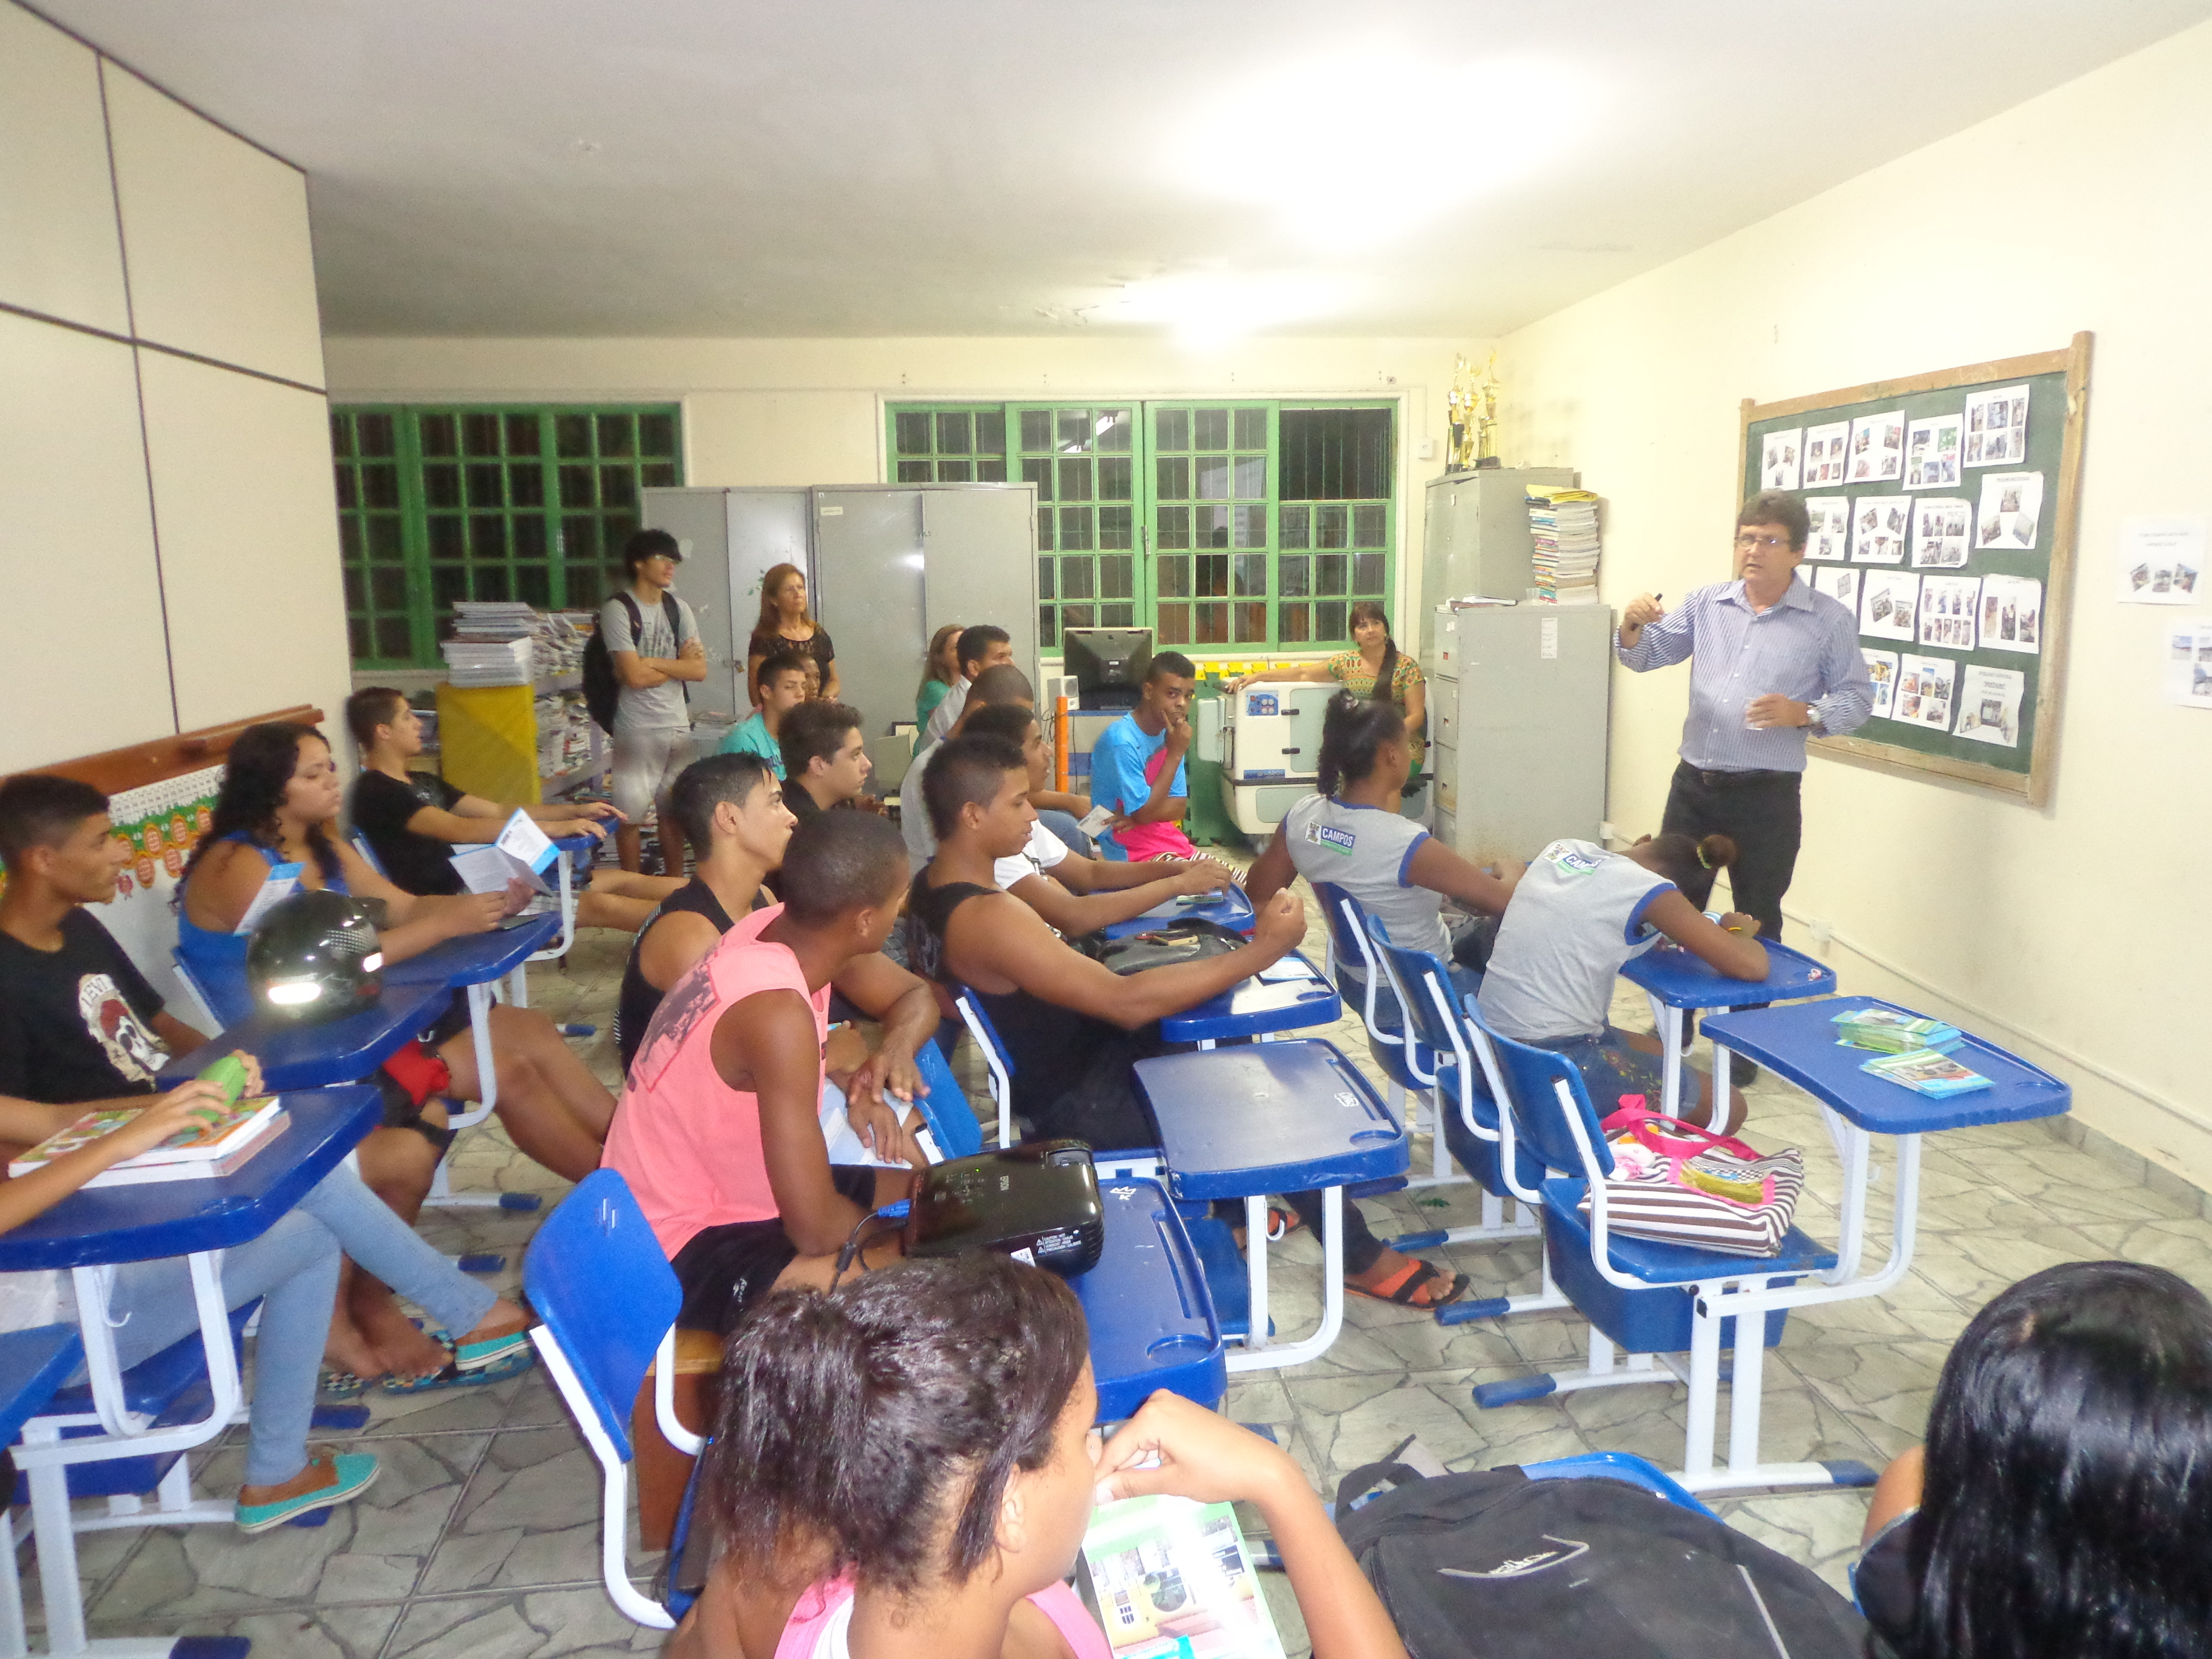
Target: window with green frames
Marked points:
437	504
1217	522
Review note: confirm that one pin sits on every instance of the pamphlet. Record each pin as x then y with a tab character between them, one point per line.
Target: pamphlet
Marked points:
1172	1578
1094	824
1928	1072
281	882
522	853
845	1144
1890	1031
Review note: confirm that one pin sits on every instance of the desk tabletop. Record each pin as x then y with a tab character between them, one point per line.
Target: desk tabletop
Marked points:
1256	1005
1231	908
1269	1117
478	958
1799	1042
311	1056
1152	1319
176	1217
1679	979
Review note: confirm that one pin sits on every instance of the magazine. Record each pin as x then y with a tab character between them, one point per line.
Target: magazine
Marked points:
1171	1579
215	1148
1928	1072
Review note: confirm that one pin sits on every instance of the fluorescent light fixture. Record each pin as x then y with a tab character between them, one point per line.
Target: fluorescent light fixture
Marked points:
1355	149
1206	308
291	992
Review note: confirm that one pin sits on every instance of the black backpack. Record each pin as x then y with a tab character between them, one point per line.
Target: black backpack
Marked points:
1496	1564
602	690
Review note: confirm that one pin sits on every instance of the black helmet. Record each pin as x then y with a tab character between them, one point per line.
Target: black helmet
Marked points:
315	958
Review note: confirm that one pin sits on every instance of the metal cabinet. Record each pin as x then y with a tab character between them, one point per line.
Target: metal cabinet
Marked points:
1474	537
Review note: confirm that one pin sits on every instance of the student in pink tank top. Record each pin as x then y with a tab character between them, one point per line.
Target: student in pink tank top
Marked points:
719	1133
911	1458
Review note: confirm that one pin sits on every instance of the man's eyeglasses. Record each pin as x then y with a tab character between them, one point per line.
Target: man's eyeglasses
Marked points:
1770	543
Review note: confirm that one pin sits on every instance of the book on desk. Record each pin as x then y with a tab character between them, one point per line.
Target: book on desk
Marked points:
220	1147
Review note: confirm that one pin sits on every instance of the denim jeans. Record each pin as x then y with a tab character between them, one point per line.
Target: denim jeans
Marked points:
294	1268
1064	825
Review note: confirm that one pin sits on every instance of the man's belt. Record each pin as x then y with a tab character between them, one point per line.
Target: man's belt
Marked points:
1715	779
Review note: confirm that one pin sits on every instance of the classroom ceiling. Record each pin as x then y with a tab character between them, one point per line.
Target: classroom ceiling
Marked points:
1201	168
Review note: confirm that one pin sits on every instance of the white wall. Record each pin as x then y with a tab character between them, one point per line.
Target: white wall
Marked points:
2069	931
168	537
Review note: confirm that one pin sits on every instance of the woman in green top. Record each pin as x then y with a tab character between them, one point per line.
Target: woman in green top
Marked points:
1376	670
939	673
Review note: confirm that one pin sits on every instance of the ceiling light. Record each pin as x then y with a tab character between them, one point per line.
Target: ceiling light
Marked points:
1209	307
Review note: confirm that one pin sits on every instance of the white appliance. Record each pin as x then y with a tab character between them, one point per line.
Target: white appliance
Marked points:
1273	750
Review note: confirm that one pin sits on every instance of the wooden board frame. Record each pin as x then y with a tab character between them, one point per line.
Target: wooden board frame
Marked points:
2033	786
114	771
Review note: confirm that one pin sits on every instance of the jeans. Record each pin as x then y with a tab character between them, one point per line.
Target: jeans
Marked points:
1064	825
1758	810
294	1268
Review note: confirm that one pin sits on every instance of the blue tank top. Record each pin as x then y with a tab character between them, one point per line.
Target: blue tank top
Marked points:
216	961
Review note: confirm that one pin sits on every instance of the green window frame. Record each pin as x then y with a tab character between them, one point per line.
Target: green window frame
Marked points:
439	502
1169	513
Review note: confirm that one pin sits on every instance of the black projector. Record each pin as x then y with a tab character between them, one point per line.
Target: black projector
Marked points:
1037	1203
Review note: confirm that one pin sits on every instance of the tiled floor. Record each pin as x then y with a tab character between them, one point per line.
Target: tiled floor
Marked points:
481	1536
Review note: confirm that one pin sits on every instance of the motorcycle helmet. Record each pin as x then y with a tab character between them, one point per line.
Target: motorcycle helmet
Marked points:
315	958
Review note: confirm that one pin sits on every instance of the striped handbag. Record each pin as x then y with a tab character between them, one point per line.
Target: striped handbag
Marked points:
1716	1199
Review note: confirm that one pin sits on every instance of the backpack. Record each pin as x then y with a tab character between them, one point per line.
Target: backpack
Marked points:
1193	938
602	690
1495	1563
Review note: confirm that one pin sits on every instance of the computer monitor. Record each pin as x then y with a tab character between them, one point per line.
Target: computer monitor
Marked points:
1109	664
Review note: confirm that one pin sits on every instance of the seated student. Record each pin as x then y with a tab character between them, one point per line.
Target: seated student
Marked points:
783	689
413	820
1137	765
984	646
278	801
825	762
913	1453
1075	894
81	1029
940	669
719	1133
1073	1027
1001	683
1576	916
2063	1504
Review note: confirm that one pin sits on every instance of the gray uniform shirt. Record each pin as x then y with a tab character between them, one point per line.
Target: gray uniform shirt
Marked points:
651	708
1368	852
1576	916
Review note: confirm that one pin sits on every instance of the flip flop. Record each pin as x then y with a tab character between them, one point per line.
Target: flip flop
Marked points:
356	1472
475	1356
451	1376
1404	1288
1281	1224
340	1385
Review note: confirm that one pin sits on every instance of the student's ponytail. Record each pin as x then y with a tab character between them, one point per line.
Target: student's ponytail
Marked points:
1716	852
1681	859
1353	733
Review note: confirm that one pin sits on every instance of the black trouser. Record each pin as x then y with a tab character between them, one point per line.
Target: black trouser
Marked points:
1759	812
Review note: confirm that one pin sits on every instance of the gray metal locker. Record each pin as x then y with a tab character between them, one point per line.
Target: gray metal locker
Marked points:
1474	538
1518	726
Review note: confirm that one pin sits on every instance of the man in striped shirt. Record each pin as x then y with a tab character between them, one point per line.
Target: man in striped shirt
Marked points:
1771	662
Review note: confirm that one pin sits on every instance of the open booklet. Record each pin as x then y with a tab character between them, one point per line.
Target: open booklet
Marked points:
522	853
844	1141
279	884
1171	1579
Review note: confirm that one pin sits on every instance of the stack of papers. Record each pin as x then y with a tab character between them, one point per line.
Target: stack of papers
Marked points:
1925	1071
1887	1031
487	663
1563	534
493	619
550	643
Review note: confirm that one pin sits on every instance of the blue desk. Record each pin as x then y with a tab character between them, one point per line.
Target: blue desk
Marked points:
1676	979
1152	1319
1273	1117
574	850
1231	908
476	959
190	1218
294	1056
1257	1006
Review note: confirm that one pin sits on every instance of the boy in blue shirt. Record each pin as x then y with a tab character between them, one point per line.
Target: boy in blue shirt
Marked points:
1137	766
783	688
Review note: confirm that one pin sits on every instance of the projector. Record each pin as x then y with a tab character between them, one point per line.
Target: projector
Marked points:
1037	1203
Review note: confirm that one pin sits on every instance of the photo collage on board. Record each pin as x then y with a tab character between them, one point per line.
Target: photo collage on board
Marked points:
1900	507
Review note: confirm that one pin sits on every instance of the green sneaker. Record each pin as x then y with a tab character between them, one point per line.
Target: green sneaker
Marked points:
354	1472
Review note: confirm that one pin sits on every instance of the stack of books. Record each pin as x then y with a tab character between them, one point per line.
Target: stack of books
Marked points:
1887	1031
1925	1071
1563	532
218	1146
482	662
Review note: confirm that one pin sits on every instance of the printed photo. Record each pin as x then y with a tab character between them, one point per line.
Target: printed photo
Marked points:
1930	680
1778	460
1829	537
1938	532
1841	586
2010	513
1989	705
1878	447
1997	426
1881	526
1889	602
1931	454
1826	455
2012	614
1881	669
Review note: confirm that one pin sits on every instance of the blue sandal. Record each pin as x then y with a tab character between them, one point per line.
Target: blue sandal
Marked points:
352	1473
513	1361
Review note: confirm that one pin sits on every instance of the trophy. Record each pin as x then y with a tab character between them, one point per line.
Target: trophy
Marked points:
1473	406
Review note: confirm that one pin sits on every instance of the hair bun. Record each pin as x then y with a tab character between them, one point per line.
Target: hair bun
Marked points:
1716	852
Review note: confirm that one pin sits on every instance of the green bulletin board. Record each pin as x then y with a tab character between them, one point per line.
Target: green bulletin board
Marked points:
1974	691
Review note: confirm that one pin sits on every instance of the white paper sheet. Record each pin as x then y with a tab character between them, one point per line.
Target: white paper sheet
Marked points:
1880	527
1989	704
2011	511
1941	526
1889	605
1881	669
522	839
2188	664
2012	614
1997	426
1923	691
1947	611
488	869
1931	453
1780	456
844	1142
1830	537
1841	586
1828	450
1878	447
2161	560
279	884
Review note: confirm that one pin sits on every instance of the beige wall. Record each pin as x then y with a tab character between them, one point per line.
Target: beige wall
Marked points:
2070	931
163	441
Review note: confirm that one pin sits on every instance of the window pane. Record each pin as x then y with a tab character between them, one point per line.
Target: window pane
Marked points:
991	433
1174	527
379	486
1335	455
1250	525
656	434
522	436
1293	623
618	487
955	434
441	485
349	537
1175	624
1332	525
1076	579
448	583
1297	524
525	484
1173	577
580	540
1044	526
617	434
1294	576
528	532
1117	526
375	434
1251	574
1213	573
486	486
955	472
990	470
490	581
394	638
1332	573
1118	430
1074	431
911	434
1075	481
1074	527
618	529
356	591
1210	526
1046	568
480	434
1038	472
1048	625
1251	624
1367	525
341	436
487	537
1367	573
348	489
1118	615
1076	615
1117	578
1212	477
1212	624
1171	428
657	474
572	436
1251	477
444	537
533	584
586	586
1251	428
440	435
1209	428
1114	480
577	487
384	538
387	587
1329	620
1174	480
1036	429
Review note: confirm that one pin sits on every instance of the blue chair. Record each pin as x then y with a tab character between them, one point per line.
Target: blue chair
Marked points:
1409	1066
597	1348
944	1108
1650	1299
1470	1125
1624	1467
996	1064
32	1364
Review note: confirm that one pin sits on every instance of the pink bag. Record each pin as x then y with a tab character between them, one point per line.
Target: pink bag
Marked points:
1670	1137
1679	1183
